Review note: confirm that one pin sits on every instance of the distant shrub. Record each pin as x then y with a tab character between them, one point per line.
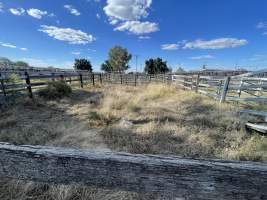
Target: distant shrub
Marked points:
55	90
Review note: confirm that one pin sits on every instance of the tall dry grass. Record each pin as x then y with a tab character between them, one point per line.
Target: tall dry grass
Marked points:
152	119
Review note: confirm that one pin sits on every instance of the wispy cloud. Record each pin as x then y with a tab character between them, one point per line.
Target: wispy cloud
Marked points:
36	13
8	45
219	43
137	27
202	57
170	46
72	10
12	46
69	35
144	37
17	11
1	7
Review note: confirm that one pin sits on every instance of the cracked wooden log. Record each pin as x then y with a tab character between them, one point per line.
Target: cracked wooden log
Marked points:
175	176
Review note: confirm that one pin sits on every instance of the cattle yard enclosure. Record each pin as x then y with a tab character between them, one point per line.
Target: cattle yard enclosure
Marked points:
236	88
170	175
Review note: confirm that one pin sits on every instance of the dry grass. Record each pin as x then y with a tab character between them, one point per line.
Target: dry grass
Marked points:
156	118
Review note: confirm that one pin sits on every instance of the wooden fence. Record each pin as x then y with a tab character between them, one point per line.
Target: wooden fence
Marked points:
240	89
165	175
29	82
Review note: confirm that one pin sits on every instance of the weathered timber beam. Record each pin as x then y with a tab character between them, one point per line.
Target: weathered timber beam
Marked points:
179	177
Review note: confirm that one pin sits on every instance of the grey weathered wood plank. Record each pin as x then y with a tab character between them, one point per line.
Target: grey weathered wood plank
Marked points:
258	127
179	177
256	113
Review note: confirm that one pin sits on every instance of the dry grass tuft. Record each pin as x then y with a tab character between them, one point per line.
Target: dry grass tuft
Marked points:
55	90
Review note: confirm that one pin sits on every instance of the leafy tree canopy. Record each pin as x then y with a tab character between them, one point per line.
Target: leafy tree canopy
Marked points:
118	60
106	67
155	66
83	64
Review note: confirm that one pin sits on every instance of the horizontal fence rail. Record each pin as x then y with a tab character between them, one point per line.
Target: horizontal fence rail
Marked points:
235	88
178	177
30	82
239	89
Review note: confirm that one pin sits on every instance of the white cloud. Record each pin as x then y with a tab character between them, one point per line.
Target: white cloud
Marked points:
72	10
76	53
127	15
17	11
12	46
127	9
98	16
36	13
69	35
114	21
202	57
219	43
8	45
144	37
137	27
169	46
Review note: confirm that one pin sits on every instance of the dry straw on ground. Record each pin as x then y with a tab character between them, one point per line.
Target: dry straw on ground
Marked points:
153	119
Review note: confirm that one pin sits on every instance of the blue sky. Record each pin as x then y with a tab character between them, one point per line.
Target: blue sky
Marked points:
187	33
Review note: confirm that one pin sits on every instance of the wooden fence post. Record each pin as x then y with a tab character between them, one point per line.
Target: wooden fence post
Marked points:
3	85
197	83
62	77
240	88
184	82
135	80
121	78
81	80
225	89
100	77
28	82
53	76
93	79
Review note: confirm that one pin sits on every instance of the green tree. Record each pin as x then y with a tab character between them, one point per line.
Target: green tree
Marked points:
154	66
118	60
83	64
106	67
